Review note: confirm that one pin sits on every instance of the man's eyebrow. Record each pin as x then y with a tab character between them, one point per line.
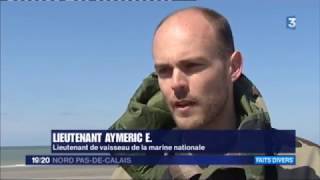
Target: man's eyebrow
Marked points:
161	65
199	59
193	60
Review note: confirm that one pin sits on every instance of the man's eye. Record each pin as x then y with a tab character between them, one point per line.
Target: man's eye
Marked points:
193	67
164	72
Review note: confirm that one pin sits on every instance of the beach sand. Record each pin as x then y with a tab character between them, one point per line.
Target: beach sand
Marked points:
57	172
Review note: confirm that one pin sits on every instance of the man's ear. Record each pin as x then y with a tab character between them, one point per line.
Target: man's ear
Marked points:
236	65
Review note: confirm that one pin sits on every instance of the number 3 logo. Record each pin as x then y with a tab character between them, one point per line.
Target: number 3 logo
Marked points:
291	22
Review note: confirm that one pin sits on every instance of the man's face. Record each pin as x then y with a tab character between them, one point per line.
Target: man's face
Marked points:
192	78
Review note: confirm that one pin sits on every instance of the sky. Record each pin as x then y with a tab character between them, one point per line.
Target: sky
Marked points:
75	65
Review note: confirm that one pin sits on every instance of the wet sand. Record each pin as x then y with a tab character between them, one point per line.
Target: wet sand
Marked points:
57	172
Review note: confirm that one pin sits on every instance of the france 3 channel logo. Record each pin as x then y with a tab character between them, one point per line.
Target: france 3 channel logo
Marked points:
291	22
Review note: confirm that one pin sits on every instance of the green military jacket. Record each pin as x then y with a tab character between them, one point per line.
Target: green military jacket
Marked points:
148	110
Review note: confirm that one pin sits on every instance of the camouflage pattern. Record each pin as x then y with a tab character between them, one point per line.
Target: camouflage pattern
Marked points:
148	110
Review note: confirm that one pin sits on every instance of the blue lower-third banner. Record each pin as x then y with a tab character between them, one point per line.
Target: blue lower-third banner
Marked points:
153	160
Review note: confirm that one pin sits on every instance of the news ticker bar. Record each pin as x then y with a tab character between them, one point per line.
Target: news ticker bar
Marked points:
194	141
158	160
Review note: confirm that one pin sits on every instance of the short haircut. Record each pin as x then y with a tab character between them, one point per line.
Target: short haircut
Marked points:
219	23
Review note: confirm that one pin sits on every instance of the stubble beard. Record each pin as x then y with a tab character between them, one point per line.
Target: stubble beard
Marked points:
207	116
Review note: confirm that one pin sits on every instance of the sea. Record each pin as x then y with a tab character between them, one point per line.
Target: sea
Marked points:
14	156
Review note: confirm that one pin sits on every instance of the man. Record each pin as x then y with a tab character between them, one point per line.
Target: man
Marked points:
199	83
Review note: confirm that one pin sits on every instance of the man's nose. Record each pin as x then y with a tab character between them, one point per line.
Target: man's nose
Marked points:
179	84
